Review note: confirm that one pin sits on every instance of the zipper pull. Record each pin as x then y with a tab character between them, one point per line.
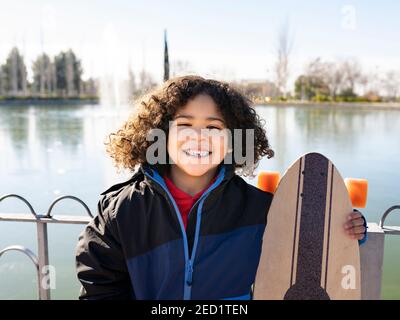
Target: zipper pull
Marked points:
189	277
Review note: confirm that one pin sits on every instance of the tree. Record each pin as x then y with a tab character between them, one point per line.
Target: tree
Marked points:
131	83
352	75
283	51
391	84
146	81
3	79
329	73
180	67
311	87
333	77
313	84
44	77
68	73
166	58
90	87
14	74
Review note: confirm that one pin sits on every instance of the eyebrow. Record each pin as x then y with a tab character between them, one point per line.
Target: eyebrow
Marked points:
192	117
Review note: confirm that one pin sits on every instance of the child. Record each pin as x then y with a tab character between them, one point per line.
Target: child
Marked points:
188	227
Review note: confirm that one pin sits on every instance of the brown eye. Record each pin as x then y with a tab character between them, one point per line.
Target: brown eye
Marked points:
214	127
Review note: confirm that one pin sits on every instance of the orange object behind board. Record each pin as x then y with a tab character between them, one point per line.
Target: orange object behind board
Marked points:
268	181
358	191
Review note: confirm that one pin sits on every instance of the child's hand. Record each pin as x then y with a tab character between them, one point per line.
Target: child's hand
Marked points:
354	226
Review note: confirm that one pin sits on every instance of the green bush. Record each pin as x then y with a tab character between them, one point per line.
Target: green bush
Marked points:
321	98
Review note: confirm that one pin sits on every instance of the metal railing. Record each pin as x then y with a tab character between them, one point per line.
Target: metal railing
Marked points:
41	261
371	253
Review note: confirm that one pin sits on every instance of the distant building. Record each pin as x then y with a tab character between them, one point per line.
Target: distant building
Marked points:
258	90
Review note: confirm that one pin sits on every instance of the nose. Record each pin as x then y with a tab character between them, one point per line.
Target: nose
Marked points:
199	138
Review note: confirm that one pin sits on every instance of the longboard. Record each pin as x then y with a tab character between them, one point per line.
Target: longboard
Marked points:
306	253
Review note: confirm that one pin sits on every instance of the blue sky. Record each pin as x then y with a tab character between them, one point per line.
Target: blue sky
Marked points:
226	39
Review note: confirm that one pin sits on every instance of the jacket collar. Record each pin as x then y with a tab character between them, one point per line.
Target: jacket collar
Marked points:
139	179
229	170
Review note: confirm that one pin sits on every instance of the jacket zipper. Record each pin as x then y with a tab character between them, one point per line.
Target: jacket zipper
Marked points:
188	279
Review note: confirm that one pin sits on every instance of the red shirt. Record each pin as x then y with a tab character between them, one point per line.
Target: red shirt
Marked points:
184	200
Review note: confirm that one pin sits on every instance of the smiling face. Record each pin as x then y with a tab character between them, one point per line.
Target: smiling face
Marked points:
197	140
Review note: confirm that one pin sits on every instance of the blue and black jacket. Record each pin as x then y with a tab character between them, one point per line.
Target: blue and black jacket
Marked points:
137	246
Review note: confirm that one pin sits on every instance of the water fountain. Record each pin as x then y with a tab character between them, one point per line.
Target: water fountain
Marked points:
114	82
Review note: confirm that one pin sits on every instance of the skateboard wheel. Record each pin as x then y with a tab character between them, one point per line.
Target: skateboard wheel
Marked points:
358	190
268	181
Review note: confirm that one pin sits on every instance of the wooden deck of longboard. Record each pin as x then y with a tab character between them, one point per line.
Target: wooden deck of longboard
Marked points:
306	254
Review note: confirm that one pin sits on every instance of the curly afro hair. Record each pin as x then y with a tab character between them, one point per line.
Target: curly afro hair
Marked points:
127	146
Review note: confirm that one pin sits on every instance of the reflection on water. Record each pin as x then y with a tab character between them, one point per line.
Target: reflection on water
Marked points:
47	151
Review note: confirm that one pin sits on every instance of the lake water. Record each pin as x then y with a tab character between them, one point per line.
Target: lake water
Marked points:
48	151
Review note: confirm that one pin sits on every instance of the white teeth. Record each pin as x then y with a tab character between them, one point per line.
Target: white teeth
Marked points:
197	153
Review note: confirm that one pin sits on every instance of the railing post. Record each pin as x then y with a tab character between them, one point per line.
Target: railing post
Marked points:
43	261
371	255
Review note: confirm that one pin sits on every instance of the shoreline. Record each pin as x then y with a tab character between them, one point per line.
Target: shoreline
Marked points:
347	105
294	103
48	101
